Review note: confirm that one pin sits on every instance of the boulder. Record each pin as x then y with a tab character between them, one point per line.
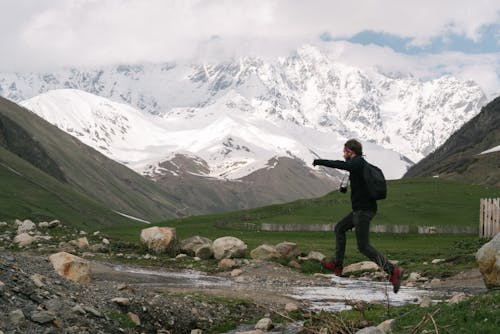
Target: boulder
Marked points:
42	317
198	247
287	250
291	307
83	242
229	247
294	264
387	326
54	223
16	317
370	330
426	302
71	267
457	298
25	226
414	277
313	255
24	239
160	239
43	224
265	252
236	272
226	264
488	259
264	324
121	301
135	318
360	266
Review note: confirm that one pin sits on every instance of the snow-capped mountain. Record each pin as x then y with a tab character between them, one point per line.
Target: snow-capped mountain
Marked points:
229	143
308	91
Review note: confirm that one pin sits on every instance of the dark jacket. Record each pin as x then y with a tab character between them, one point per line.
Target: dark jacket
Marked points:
359	195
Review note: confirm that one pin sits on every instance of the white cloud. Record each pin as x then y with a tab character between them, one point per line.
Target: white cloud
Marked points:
53	33
484	69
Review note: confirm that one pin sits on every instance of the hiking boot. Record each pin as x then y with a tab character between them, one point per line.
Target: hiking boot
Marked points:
330	265
396	278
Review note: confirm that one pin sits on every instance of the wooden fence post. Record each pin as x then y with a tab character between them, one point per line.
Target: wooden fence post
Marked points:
489	217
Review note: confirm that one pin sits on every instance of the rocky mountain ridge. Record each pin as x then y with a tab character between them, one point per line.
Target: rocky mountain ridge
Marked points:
308	88
471	154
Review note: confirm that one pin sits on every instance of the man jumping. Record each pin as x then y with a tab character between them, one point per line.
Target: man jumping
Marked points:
364	209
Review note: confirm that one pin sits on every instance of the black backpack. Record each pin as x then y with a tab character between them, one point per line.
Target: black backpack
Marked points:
375	181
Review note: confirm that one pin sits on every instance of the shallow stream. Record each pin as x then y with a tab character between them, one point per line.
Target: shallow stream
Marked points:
329	298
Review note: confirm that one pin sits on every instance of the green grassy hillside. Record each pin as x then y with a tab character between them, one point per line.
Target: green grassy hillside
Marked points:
30	193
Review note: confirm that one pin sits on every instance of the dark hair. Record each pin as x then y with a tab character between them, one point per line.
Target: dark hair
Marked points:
354	146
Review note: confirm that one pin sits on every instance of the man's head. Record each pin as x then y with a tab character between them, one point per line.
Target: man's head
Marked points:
352	148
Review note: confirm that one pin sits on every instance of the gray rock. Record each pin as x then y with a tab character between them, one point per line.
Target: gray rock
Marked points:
264	324
42	317
313	255
458	298
78	309
370	330
160	239
414	277
25	226
287	250
426	302
387	326
54	223
37	280
488	259
229	247
198	246
16	317
360	266
43	224
24	239
92	311
121	301
291	307
265	252
135	318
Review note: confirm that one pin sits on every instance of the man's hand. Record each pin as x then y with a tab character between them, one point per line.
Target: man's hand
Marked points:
315	162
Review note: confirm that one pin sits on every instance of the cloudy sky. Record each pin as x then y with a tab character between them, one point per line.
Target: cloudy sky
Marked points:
427	37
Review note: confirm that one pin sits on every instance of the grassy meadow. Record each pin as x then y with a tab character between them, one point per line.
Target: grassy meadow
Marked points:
428	202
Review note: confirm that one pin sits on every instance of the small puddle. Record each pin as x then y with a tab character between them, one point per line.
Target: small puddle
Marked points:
334	298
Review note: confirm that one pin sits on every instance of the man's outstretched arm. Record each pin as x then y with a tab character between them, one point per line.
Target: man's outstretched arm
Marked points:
339	164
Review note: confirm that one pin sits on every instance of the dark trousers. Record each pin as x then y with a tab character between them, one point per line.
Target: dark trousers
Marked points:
360	219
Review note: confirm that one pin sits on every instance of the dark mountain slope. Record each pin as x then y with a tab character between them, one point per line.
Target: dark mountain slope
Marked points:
29	193
285	180
81	167
459	157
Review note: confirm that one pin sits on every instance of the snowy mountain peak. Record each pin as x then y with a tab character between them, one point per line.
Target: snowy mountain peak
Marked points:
225	141
308	89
